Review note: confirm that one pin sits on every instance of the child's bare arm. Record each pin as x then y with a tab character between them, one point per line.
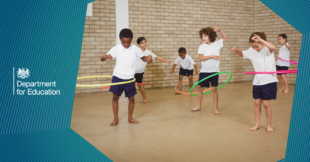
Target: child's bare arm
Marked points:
276	51
174	65
225	38
196	71
267	44
108	56
288	46
239	52
203	58
147	59
163	60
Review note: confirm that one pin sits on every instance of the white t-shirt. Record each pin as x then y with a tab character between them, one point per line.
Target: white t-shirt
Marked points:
140	65
284	53
186	63
262	61
211	65
125	60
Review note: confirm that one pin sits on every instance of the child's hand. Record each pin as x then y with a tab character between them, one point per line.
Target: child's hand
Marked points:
150	59
234	49
172	71
216	29
108	57
168	61
256	38
216	57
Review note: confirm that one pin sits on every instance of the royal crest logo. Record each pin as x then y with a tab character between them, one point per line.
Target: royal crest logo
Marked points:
22	73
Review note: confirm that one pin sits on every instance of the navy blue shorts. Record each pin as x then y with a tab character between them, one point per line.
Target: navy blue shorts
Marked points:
129	88
139	77
265	92
185	72
281	68
206	83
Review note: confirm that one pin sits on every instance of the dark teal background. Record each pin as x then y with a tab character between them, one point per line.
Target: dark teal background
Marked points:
46	38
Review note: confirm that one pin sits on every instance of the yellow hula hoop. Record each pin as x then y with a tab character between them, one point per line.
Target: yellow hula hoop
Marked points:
100	85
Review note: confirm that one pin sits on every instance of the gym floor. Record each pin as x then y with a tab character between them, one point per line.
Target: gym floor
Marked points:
169	131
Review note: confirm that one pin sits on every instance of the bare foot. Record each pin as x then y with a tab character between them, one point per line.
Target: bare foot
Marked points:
216	111
286	91
256	127
132	120
269	129
281	90
177	93
145	101
114	123
196	108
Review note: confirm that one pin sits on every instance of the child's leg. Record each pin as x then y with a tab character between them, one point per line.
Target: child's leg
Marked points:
190	78
198	107
282	83
215	99
115	109
131	106
268	114
180	83
142	90
286	90
257	112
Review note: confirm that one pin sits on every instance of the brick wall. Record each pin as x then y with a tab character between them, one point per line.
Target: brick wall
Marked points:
269	22
170	24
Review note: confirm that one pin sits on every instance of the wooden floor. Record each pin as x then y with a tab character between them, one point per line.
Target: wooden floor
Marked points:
169	131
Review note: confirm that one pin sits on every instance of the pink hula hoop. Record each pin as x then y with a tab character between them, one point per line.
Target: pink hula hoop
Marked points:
293	62
270	72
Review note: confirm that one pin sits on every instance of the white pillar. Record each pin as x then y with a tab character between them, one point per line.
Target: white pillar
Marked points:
121	17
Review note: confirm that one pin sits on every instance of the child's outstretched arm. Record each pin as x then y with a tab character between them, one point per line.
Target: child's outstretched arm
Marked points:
225	38
267	44
163	60
105	57
147	59
196	71
239	52
174	65
203	58
287	46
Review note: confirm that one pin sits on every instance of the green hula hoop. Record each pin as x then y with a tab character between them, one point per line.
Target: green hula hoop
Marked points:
210	77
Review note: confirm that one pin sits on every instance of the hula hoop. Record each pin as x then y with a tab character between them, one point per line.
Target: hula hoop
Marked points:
100	85
185	92
210	77
110	86
270	72
293	62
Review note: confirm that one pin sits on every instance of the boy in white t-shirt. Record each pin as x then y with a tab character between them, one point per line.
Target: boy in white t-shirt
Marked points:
124	70
140	65
209	55
284	53
261	55
186	69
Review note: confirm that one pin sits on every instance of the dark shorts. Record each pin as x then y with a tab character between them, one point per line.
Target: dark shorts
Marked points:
281	68
129	88
139	77
265	92
206	83
185	72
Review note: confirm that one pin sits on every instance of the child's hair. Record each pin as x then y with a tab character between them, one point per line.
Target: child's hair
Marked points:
208	31
260	34
182	50
283	36
140	39
125	33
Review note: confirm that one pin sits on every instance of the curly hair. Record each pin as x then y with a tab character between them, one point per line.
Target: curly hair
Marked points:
208	31
260	34
182	50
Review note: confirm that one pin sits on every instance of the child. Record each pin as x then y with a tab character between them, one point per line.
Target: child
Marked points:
209	55
284	53
124	70
140	65
186	69
265	85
